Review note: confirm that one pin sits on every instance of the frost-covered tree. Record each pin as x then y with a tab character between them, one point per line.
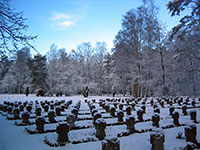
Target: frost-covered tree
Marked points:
122	64
99	73
108	74
9	82
186	57
4	65
64	71
188	21
84	54
15	70
21	70
64	74
52	60
134	49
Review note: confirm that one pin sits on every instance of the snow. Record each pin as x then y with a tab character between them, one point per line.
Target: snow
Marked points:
14	137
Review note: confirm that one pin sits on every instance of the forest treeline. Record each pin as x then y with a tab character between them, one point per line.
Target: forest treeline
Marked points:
144	61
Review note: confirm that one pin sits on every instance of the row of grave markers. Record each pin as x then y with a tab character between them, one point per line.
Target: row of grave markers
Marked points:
63	128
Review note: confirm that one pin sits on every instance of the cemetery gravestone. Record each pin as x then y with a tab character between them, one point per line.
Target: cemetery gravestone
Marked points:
111	143
190	133
62	131
157	140
156	119
120	115
175	117
40	124
100	126
130	122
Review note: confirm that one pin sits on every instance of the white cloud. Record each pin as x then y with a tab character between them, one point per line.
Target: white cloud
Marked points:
61	16
61	21
65	24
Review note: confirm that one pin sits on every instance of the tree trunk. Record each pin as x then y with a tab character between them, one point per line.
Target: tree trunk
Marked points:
192	77
162	66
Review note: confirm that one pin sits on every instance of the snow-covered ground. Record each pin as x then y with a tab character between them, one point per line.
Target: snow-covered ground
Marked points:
14	137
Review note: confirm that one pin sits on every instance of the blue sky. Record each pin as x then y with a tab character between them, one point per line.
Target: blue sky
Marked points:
68	23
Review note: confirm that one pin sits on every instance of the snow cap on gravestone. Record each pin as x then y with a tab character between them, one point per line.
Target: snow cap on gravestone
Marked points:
94	111
157	131
114	139
107	105
111	106
175	111
156	114
139	109
69	114
100	120
120	111
192	111
97	113
129	117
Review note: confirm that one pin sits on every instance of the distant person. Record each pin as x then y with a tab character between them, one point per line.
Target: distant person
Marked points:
114	91
27	91
86	92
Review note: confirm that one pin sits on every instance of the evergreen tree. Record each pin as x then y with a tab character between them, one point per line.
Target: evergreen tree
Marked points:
38	72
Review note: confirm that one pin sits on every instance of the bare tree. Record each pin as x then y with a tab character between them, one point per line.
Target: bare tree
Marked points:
12	29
